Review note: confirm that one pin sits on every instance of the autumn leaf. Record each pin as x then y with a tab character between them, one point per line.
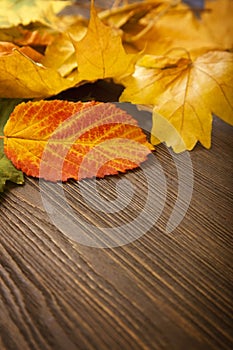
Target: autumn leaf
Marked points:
36	37
100	53
7	170
15	12
8	47
33	37
58	140
167	32
185	93
218	21
60	55
22	77
175	72
120	16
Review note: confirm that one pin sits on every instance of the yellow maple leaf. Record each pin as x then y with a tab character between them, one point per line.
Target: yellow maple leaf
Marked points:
219	22
166	27
100	53
60	55
185	93
22	77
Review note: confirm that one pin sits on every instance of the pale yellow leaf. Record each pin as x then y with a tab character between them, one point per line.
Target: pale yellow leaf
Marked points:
185	93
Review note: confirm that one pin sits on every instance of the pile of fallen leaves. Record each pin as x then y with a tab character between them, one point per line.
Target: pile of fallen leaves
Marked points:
170	59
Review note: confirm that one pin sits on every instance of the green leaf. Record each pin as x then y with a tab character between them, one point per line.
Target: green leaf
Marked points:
7	169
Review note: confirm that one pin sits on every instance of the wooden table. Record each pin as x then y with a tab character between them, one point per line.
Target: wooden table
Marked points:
162	291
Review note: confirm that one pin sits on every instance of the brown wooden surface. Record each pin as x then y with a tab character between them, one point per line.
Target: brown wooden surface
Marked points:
160	292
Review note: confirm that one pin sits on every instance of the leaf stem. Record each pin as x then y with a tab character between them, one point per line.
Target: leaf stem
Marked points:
2	136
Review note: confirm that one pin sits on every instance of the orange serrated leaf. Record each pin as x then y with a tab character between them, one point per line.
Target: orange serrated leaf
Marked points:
57	140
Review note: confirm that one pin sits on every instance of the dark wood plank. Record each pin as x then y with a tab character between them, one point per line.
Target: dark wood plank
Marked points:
162	291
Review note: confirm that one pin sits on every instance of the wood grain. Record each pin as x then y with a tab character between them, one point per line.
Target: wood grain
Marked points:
162	291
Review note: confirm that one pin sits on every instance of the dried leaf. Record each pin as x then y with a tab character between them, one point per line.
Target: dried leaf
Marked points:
162	30
7	47
100	53
58	140
218	20
15	12
185	93
178	78
60	55
7	170
38	37
35	37
120	16
21	77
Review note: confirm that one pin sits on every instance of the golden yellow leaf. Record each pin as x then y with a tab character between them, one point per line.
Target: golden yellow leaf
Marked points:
119	16
60	55
185	93
21	77
169	27
219	21
14	12
100	53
